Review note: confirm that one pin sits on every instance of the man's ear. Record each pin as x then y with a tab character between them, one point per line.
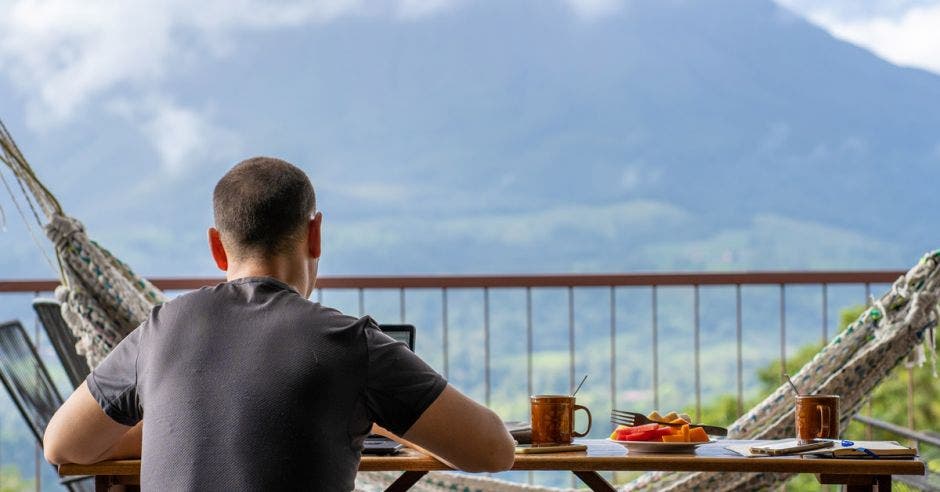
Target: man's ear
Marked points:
218	251
314	236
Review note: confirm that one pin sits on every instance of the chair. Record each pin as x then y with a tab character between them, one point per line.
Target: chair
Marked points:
63	341
25	377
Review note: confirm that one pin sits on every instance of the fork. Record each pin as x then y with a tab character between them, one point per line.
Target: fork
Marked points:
633	418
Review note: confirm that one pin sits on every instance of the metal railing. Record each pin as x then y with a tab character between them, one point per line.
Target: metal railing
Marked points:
571	284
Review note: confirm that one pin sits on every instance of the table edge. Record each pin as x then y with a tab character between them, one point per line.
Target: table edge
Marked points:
576	462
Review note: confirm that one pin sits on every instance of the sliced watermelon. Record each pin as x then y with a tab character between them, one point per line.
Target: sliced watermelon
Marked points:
650	435
642	428
641	436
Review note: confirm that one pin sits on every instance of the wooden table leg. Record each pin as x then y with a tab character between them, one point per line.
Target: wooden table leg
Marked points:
881	483
102	483
405	481
117	483
858	483
594	481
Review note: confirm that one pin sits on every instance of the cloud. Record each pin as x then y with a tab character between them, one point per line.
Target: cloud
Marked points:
778	242
856	10
181	136
905	36
636	175
608	222
419	9
65	56
184	137
62	54
595	9
382	193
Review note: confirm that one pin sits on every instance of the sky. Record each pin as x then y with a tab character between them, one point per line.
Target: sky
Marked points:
901	31
62	56
125	83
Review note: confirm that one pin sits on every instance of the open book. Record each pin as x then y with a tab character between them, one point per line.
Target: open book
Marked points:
835	448
866	449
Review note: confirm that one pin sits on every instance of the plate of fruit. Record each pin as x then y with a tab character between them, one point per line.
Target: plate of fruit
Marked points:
659	438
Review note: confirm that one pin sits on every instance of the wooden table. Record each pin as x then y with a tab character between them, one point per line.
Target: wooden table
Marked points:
857	474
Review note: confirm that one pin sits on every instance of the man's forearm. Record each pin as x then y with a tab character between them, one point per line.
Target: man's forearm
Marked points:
128	446
80	432
378	429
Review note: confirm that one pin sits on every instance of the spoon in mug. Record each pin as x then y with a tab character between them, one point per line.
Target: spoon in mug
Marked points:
579	385
792	385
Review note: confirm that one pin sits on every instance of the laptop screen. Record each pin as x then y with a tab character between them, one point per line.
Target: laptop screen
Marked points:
401	333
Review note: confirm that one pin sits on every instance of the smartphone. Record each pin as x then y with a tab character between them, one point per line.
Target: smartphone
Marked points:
789	447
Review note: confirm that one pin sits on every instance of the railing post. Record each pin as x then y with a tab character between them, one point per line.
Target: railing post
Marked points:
486	343
445	330
655	305
868	430
362	301
528	352
37	454
910	403
740	344
825	314
783	331
571	376
697	343
528	339
401	304
613	347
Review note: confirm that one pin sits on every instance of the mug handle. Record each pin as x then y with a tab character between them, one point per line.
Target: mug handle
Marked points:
824	413
588	412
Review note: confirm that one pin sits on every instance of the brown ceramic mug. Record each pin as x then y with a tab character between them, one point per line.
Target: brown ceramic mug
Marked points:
553	419
817	416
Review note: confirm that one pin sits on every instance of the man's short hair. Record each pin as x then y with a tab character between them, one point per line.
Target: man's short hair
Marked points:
262	205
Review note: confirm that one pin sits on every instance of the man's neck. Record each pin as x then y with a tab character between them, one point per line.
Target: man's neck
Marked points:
290	270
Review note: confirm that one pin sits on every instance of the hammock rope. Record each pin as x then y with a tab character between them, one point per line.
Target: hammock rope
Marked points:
29	228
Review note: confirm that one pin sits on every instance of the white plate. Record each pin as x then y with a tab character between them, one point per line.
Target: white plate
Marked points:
660	447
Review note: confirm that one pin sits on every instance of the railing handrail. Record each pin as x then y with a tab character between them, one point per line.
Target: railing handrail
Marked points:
529	280
899	430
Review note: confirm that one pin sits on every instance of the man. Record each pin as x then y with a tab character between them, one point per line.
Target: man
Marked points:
248	385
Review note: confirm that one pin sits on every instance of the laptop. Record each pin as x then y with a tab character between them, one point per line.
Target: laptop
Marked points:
374	443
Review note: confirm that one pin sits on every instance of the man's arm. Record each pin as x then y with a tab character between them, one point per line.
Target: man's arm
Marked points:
80	432
463	433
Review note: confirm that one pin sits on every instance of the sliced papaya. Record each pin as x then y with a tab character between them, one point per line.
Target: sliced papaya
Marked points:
697	434
673	438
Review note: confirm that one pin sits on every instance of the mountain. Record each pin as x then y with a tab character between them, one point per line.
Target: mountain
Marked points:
515	136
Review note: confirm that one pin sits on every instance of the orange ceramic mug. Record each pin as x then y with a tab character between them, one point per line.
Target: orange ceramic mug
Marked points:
553	419
817	416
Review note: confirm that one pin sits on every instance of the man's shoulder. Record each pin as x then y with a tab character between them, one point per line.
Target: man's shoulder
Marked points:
272	295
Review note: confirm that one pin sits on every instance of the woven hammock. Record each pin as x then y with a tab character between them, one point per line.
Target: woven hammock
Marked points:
103	300
851	366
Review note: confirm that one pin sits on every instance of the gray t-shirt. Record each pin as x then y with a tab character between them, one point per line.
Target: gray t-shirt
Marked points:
249	386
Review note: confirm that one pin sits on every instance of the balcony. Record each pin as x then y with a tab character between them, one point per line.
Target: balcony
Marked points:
648	341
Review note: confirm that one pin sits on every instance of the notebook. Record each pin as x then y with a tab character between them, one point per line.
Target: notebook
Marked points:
835	448
375	443
867	449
